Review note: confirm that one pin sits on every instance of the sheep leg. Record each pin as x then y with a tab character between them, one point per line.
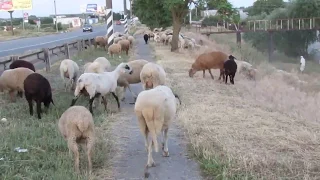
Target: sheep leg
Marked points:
74	100
90	105
74	148
104	102
39	109
90	143
165	148
222	73
117	99
233	74
133	94
150	161
144	129
30	106
20	94
11	93
204	72
210	73
226	79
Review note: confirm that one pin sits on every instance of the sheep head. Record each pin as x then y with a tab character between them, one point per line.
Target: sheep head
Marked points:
232	58
192	72
125	68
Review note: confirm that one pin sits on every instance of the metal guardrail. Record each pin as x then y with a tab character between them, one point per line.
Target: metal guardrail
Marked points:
45	54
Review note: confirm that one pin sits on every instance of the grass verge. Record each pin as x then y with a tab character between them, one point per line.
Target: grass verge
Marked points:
264	129
47	156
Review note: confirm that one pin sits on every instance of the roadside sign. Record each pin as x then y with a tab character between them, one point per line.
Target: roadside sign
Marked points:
25	17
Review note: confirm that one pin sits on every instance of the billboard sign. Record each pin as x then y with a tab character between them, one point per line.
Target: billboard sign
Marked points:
91	8
12	5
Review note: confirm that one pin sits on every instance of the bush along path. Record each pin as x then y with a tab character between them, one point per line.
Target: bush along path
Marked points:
130	157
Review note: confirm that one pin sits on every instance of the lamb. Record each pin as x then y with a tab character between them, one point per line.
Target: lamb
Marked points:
99	65
12	80
125	45
146	38
230	69
37	88
155	110
96	85
76	125
152	75
22	63
126	79
101	41
69	69
131	39
208	61
114	49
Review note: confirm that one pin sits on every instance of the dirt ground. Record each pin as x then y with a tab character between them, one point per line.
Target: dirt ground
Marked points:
266	128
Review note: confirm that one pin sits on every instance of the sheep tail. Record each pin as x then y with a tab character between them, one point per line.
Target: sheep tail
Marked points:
63	70
82	126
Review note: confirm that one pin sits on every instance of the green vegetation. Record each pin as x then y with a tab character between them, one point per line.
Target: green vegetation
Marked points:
47	156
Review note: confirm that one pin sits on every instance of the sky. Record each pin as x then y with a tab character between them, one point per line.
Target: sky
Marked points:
46	7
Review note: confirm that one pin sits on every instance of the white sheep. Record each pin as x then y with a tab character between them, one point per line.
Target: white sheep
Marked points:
69	69
101	84
76	126
125	80
155	110
13	79
152	75
101	64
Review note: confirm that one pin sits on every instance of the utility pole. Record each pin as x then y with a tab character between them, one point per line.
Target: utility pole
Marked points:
125	11
109	22
55	12
11	22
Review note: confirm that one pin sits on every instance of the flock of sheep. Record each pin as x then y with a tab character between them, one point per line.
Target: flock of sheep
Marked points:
155	107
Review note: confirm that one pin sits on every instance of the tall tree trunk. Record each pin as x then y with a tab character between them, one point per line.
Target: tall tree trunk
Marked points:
176	30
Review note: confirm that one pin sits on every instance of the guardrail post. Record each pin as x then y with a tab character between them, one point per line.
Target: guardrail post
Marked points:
66	47
14	58
239	39
47	59
271	48
89	43
79	45
83	44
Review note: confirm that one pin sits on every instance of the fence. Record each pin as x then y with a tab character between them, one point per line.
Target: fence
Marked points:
47	54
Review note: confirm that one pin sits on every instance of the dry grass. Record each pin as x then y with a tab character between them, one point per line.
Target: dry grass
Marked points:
266	129
6	35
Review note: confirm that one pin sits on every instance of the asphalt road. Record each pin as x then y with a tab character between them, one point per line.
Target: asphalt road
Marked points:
19	46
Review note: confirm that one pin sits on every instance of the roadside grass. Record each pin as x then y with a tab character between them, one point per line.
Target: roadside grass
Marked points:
18	33
47	156
263	129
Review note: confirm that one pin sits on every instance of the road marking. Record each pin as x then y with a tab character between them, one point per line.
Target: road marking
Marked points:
48	42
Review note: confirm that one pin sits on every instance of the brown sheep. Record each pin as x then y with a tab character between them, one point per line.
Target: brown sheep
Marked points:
101	41
208	61
114	49
125	45
77	127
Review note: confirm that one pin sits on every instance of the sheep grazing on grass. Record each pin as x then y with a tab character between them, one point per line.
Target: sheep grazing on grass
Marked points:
12	80
126	79
22	63
125	45
146	38
152	75
230	69
69	69
99	65
114	49
37	88
208	61
155	109
96	85
76	125
101	41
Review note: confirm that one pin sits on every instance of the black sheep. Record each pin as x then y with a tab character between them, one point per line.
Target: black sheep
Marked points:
230	69
146	37
21	63
37	88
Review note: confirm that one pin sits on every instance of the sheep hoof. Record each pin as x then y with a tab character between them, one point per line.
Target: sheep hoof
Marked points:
162	146
151	165
165	154
146	175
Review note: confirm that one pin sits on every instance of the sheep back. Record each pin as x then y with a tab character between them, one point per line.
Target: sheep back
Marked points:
136	65
38	88
76	121
100	41
211	60
22	63
14	78
69	69
125	45
114	49
152	75
105	63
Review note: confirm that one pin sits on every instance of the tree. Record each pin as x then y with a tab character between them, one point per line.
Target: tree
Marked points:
266	6
152	13
214	4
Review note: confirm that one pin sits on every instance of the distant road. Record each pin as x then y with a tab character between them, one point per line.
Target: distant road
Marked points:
19	46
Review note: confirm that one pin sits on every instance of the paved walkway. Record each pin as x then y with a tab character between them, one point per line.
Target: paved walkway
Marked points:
131	158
